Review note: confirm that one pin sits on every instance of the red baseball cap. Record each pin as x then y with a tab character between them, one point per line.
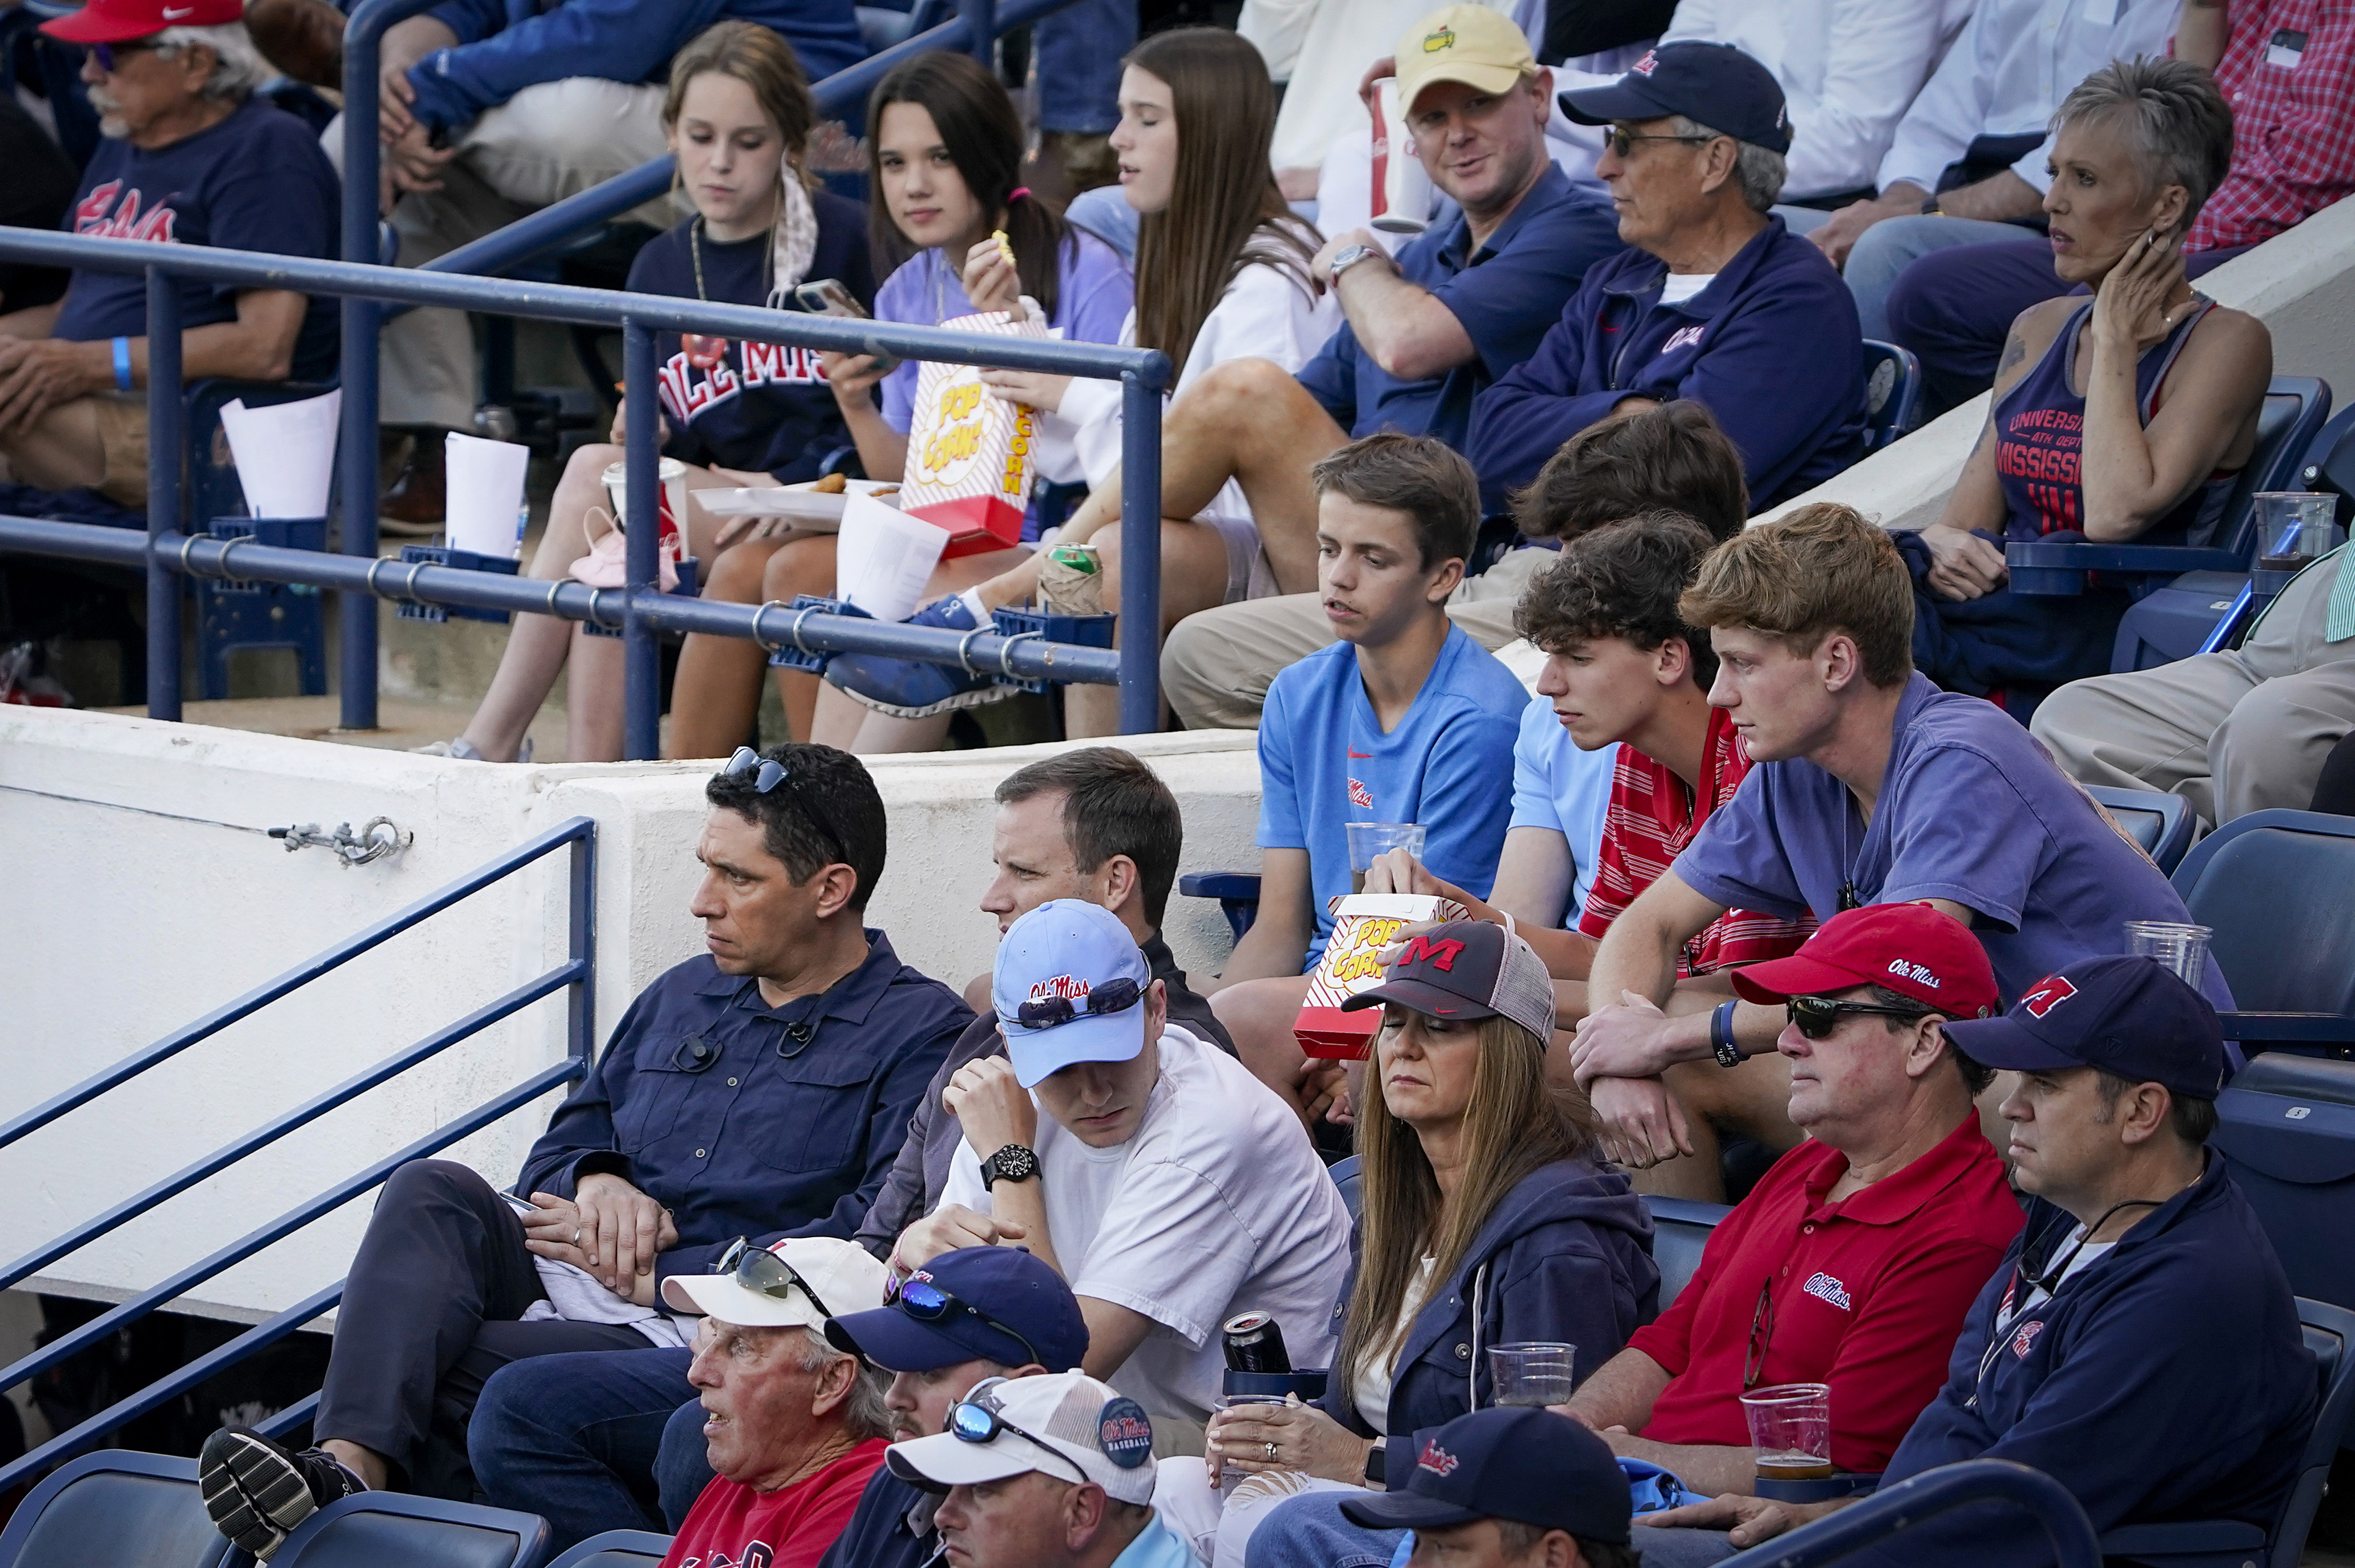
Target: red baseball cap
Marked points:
114	21
1910	948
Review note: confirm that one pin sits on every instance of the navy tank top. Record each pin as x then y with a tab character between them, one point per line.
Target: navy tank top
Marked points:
2040	429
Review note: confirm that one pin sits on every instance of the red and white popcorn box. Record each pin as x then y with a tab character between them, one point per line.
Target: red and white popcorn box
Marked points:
971	454
1363	925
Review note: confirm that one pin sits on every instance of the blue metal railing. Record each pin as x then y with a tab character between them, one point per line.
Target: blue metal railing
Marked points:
575	976
1892	1510
641	610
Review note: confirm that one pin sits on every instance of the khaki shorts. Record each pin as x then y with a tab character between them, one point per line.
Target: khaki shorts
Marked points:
123	441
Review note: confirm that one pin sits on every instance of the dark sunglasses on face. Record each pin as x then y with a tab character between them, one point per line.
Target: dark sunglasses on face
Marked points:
1047	1012
105	55
763	1272
1817	1017
928	1303
1622	142
767	773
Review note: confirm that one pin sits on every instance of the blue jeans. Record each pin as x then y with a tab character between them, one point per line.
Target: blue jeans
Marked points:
1683	1547
1079	50
1310	1532
1893	244
575	1438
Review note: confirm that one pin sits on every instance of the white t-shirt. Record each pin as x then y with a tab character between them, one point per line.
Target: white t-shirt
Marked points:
1369	1390
1216	1206
1679	287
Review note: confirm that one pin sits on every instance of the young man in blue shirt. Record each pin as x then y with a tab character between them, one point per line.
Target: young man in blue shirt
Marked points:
1404	719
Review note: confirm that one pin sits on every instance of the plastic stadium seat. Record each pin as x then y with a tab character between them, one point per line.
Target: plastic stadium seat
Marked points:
2228	1543
393	1530
117	1508
2160	823
2287	1125
2273	886
1680	1229
1237	893
617	1548
1351	1181
1893	385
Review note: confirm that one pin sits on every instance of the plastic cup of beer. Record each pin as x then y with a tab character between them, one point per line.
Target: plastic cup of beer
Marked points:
1370	840
2295	528
1532	1372
1790	1428
2180	948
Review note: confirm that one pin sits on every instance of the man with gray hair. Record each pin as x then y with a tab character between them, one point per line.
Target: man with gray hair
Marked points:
190	157
1715	301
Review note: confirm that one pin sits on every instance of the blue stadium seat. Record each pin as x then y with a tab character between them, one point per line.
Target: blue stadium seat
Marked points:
1237	893
393	1530
1892	393
2273	886
115	1508
2287	1125
2160	823
234	617
1680	1229
1347	1177
617	1548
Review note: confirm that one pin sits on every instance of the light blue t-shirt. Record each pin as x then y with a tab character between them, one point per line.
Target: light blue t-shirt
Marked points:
1557	785
1324	762
1156	1546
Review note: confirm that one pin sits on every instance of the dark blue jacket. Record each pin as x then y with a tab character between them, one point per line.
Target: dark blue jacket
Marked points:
506	46
1771	349
2167	1380
884	1532
747	1120
1566	1257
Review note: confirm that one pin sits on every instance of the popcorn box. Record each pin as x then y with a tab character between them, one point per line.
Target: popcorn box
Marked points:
1363	924
970	453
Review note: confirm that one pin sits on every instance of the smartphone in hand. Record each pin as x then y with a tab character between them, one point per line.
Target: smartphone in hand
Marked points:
828	296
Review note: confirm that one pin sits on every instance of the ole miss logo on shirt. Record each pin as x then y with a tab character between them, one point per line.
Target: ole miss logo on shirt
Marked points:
757	1554
2024	1339
1360	796
690	391
100	214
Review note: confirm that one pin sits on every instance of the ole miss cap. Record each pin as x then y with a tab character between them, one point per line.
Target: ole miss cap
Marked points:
1468	969
1910	948
112	21
1052	964
1006	1284
1715	84
1064	1424
1483	48
2124	1014
1530	1465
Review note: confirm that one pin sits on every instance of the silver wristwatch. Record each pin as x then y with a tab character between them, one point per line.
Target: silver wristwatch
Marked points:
1346	259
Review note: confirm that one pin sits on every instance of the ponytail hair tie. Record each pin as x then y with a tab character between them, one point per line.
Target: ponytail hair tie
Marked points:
1017	194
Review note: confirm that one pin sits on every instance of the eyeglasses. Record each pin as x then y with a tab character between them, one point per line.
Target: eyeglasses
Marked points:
763	1272
1052	1012
1762	1334
1816	1017
928	1303
767	773
1620	141
105	55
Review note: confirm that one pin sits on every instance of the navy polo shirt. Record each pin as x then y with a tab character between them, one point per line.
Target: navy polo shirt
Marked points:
892	1529
1507	294
747	1120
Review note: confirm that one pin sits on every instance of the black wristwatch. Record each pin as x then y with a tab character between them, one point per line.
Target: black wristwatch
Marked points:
1012	1163
1375	1466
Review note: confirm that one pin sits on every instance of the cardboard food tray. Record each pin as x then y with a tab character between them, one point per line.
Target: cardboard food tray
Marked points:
1363	925
815	510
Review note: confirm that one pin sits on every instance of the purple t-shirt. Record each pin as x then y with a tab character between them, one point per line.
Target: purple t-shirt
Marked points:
1971	809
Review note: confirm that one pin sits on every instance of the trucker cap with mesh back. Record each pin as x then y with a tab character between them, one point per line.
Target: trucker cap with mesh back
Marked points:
1468	969
1064	1424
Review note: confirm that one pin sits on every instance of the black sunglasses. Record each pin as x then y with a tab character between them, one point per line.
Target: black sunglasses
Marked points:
1817	1017
1762	1334
106	54
1620	142
763	1272
928	1303
1051	1012
767	773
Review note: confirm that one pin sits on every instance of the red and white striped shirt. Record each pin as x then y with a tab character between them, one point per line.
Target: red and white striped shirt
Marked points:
1652	817
2288	71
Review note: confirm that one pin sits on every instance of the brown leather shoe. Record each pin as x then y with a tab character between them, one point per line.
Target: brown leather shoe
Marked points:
416	497
305	38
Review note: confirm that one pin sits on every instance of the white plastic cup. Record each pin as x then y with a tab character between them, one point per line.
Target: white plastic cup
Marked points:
670	496
1402	186
1534	1373
2182	949
2295	528
1790	1428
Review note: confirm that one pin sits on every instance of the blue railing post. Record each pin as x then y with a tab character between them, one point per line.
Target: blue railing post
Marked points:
981	29
641	660
163	421
580	946
1140	552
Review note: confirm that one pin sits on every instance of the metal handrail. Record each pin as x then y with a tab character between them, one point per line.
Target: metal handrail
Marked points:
575	976
643	609
1892	1510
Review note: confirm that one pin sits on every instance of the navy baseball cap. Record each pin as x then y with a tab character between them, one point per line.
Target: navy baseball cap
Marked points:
2123	1014
1530	1465
991	1304
1714	84
1068	987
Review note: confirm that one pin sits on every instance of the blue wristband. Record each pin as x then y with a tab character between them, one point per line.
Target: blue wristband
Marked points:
1721	1035
122	364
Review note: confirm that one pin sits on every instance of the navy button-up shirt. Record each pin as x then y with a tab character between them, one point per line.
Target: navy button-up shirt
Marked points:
747	1120
893	1528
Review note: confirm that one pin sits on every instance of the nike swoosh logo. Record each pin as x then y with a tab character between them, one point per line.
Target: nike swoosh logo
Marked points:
172	15
1362	756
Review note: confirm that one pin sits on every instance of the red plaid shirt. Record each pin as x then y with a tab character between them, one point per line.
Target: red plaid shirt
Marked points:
2293	125
1652	817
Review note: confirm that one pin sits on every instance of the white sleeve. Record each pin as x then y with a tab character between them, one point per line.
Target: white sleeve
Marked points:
963	1185
1277	28
1881	51
2140	27
1170	1248
1952	109
1091	411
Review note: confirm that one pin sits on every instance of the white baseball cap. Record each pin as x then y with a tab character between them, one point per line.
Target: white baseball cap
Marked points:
1064	1424
799	1283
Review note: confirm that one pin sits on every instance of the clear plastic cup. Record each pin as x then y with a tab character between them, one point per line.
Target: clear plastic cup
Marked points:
1790	1428
1370	840
1229	1478
1532	1372
2295	528
2181	948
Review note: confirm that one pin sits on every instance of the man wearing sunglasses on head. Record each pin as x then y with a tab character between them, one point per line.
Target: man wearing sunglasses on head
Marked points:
1853	1260
761	1089
1149	1169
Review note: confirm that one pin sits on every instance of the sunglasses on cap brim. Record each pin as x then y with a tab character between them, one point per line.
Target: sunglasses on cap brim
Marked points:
928	1303
974	1422
763	1272
1052	1012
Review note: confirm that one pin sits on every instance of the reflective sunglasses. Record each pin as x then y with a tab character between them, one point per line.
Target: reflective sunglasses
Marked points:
974	1422
1620	142
1816	1017
767	773
928	1303
1051	1012
105	55
763	1272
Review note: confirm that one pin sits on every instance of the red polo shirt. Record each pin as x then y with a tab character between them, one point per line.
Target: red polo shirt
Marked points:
1869	1295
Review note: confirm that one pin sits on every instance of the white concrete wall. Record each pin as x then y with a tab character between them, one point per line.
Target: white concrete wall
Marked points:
130	902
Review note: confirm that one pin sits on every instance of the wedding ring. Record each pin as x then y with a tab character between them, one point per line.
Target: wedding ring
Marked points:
576	1235
1270	1453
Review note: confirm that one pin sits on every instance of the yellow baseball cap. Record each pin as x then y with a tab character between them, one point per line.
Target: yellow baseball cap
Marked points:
1471	44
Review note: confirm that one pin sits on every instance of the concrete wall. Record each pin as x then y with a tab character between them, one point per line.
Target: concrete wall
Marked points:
137	891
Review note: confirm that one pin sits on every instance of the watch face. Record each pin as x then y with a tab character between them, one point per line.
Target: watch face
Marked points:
1013	1163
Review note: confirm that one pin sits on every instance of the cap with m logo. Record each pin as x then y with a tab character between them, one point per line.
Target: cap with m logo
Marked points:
1468	969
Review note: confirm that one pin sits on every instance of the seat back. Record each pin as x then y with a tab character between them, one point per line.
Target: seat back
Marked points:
2330	464
376	1529
116	1508
1892	393
1680	1229
617	1548
2160	823
2287	1125
1350	1179
2273	887
2297	407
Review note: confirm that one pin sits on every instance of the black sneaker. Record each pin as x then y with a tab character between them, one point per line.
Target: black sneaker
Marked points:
257	1491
